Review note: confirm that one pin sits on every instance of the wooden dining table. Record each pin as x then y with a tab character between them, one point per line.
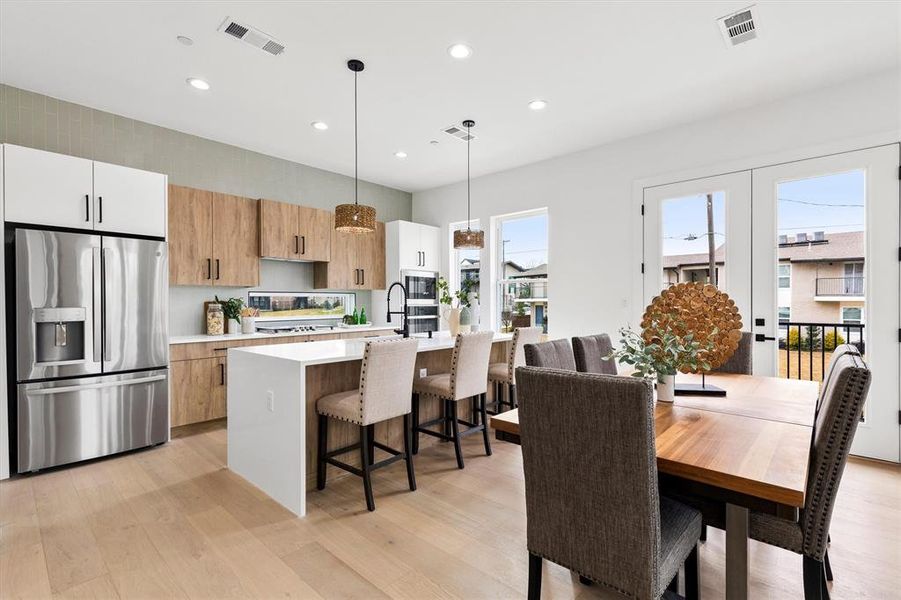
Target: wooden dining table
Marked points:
729	455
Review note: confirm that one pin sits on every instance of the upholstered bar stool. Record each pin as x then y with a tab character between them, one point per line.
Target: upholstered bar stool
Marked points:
386	379
503	375
555	354
468	378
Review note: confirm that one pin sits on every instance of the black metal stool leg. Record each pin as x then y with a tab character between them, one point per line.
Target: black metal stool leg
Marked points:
455	428
475	410
514	402
408	441
371	438
484	401
415	447
366	466
828	566
322	449
534	577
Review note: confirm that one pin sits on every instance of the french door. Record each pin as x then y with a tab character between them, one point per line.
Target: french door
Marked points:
835	221
809	252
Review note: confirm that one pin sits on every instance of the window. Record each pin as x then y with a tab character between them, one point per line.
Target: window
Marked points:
785	314
465	263
691	225
785	276
522	270
853	279
852	315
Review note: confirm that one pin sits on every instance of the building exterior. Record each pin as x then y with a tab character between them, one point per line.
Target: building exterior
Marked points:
821	276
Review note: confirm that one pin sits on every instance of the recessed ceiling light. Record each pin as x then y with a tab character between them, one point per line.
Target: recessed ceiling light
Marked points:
538	104
197	83
460	51
184	40
400	154
319	125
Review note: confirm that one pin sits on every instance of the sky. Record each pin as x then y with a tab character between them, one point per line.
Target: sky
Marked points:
826	203
528	240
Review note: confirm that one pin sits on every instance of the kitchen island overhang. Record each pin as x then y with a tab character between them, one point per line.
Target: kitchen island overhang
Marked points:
272	393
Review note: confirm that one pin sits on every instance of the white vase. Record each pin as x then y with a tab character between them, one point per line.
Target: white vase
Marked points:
666	388
453	321
234	326
248	325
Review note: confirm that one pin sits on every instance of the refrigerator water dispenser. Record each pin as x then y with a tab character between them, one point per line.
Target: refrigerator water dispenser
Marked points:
59	335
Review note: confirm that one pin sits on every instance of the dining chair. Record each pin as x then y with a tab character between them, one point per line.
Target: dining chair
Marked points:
590	351
555	354
834	427
503	375
386	379
741	360
468	378
592	498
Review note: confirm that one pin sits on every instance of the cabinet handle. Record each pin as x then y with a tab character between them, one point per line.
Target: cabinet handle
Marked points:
209	268
423	258
356	276
217	269
296	238
100	209
221	373
303	244
87	208
362	276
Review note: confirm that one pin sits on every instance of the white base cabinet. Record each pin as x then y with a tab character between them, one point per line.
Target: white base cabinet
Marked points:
46	188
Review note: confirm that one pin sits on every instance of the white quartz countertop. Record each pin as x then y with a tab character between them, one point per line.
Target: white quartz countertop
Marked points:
235	337
333	351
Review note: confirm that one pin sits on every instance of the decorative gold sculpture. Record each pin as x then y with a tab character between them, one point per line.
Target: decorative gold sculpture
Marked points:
701	309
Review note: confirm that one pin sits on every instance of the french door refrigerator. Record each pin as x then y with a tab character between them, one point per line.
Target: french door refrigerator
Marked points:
91	346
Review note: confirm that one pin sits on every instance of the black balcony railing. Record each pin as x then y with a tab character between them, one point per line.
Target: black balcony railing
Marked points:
805	348
839	286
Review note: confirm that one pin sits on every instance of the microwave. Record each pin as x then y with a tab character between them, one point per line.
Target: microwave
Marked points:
422	286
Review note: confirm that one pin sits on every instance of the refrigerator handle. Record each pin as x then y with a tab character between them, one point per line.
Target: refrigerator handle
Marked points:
95	386
103	269
98	307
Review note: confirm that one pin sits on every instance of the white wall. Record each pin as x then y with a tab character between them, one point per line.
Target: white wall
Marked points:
592	196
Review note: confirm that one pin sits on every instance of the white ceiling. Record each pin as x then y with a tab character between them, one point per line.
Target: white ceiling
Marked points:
607	70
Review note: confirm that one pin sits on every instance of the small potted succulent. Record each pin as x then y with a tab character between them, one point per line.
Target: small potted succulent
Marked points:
662	357
231	308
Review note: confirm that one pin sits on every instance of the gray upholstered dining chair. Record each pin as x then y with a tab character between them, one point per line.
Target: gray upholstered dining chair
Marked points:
386	379
590	351
555	354
503	375
592	496
833	432
740	362
468	378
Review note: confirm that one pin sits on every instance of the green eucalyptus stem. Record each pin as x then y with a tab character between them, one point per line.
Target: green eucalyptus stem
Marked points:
665	354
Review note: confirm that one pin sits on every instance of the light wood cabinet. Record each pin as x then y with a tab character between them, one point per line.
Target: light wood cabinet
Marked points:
213	239
292	232
357	262
192	388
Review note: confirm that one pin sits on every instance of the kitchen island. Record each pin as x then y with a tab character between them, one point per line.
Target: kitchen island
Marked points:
272	393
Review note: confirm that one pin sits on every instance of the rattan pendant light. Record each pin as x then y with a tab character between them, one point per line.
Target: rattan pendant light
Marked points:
356	217
469	237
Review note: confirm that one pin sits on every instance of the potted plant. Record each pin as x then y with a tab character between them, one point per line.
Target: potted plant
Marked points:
660	358
520	318
231	308
455	309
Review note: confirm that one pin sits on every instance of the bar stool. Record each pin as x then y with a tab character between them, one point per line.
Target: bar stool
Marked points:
386	378
503	375
468	378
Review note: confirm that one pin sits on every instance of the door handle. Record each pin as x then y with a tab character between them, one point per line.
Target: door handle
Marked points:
221	373
296	242
763	338
209	268
98	307
218	272
103	341
94	386
100	209
87	208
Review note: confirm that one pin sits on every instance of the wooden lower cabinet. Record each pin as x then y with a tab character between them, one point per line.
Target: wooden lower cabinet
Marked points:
194	396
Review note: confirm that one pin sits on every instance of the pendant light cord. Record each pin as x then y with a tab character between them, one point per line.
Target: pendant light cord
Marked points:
356	144
468	184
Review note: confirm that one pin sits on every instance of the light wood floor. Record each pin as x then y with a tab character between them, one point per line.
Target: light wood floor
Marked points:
173	522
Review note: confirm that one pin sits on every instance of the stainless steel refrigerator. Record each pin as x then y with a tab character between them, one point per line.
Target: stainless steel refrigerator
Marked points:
91	345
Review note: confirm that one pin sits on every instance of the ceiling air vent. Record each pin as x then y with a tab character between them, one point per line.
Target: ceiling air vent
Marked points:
459	132
252	36
739	27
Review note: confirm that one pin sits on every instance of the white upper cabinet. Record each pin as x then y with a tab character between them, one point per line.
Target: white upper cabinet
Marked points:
47	189
417	246
430	244
129	200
